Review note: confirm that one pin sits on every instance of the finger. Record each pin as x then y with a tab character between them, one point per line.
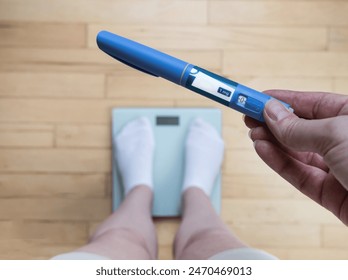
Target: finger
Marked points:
261	133
310	158
303	177
250	122
297	133
313	105
313	182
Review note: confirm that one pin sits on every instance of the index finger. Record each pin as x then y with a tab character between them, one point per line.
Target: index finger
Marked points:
313	105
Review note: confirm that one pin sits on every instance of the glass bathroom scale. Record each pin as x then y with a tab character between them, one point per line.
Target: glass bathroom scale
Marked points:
170	126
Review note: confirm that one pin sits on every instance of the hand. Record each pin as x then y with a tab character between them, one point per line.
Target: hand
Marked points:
309	150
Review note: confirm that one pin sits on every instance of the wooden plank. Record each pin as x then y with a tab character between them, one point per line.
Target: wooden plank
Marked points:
279	235
338	39
285	64
135	11
216	38
44	232
258	186
318	254
293	83
58	68
5	127
207	58
83	136
26	139
236	136
308	253
18	135
268	211
52	185
57	85
89	60
245	161
42	35
24	249
334	236
232	118
54	209
195	100
58	60
295	13
341	85
55	160
69	111
140	86
166	229
166	253
54	56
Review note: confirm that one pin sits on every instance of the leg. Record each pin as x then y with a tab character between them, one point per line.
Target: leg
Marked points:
129	233
202	234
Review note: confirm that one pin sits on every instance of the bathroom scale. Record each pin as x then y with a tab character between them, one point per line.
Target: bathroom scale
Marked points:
170	127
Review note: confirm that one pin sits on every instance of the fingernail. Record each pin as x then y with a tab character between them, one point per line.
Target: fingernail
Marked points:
249	133
254	144
276	110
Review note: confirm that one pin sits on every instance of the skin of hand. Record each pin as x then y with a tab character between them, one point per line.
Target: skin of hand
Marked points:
309	149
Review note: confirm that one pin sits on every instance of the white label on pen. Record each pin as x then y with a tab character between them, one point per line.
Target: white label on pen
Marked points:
210	85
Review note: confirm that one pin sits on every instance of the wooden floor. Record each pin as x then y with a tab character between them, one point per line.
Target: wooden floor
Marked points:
57	91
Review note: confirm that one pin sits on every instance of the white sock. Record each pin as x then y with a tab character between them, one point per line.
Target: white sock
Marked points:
204	154
134	153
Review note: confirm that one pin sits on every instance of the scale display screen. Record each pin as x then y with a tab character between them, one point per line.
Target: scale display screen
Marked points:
167	120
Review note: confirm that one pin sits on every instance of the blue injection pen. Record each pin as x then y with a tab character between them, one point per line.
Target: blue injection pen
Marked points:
236	96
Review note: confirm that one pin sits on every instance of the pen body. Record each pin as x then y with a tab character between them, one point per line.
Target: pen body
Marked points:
141	57
236	96
227	92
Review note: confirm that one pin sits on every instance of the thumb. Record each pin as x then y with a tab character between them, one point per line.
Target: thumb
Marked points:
294	132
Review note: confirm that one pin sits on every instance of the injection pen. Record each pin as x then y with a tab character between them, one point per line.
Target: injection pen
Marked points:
227	92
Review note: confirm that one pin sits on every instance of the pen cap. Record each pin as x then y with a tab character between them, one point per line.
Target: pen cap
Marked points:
144	58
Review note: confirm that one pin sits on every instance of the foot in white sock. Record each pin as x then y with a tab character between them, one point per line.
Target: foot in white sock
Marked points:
134	153
204	154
